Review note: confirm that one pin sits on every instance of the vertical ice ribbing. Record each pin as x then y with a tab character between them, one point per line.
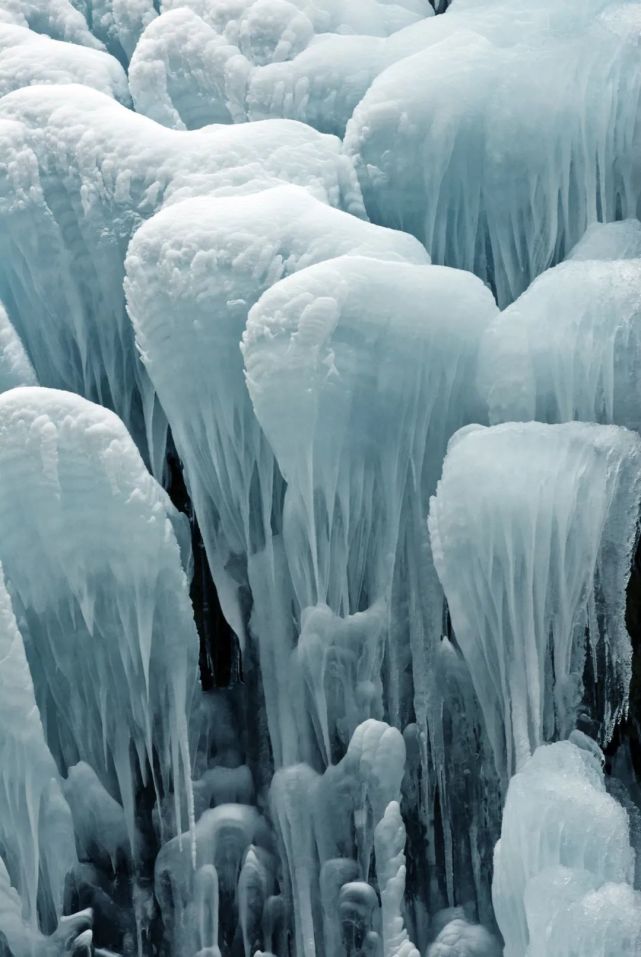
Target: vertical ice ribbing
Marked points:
532	529
36	830
94	568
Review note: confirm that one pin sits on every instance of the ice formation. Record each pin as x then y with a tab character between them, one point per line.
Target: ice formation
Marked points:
320	578
28	58
68	464
474	175
563	866
81	173
570	346
533	529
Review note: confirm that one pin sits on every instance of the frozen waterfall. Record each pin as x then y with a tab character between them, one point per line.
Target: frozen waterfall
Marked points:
320	478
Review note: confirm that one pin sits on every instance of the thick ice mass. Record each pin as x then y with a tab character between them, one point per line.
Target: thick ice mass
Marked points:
532	529
564	864
320	478
108	631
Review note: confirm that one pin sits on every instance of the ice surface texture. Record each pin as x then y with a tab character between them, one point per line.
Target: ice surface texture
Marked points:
81	173
108	630
413	516
532	530
563	865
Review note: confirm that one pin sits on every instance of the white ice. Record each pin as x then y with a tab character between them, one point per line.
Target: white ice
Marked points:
108	631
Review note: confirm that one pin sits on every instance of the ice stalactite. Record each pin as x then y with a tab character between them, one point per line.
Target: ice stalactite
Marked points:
322	352
200	903
564	865
15	367
533	529
36	830
473	175
570	346
108	630
81	174
193	272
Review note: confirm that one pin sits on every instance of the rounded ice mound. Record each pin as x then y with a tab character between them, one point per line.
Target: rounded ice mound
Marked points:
563	857
569	347
607	241
81	174
94	569
191	68
59	19
15	367
28	58
459	938
193	272
475	175
521	524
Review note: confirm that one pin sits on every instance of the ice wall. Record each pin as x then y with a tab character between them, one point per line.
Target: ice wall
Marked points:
533	529
563	866
536	136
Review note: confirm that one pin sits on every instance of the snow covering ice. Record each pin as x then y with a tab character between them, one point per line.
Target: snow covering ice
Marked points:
320	478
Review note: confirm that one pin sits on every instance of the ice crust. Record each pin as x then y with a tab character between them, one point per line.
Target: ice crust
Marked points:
533	528
190	70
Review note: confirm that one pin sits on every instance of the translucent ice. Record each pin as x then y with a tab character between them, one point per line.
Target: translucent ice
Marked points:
532	530
36	831
81	173
108	631
360	448
118	23
15	367
563	865
569	347
193	272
